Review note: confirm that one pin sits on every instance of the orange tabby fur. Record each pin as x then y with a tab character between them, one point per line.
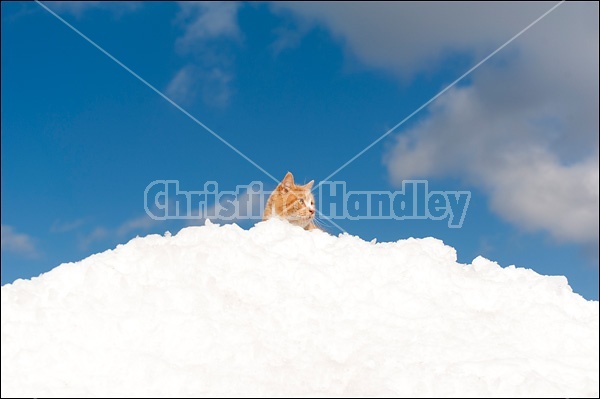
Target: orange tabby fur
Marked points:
296	204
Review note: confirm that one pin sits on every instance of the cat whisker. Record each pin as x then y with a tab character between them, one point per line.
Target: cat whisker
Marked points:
318	222
323	221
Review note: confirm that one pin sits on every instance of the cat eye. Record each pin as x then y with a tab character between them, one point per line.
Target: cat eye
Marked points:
301	201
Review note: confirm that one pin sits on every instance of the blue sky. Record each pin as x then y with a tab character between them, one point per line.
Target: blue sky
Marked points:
303	87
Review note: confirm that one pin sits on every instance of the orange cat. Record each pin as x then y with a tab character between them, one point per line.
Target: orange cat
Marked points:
296	204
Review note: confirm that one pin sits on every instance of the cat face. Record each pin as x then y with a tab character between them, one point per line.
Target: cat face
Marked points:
294	203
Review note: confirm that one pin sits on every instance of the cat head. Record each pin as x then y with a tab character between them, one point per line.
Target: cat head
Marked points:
292	202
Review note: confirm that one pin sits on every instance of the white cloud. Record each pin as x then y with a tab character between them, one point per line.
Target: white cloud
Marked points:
124	230
211	83
217	88
209	29
407	37
144	222
77	8
206	20
99	233
290	34
182	87
19	243
62	227
525	130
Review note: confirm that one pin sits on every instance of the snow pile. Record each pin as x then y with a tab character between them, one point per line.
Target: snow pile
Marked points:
278	311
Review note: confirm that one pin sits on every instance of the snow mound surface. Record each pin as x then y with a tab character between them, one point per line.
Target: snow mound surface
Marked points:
279	311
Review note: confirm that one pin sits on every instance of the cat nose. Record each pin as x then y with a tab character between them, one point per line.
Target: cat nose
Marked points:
311	211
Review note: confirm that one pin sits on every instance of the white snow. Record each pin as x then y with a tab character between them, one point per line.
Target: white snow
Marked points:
280	311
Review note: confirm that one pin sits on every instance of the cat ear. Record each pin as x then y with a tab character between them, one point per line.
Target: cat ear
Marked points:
309	185
288	181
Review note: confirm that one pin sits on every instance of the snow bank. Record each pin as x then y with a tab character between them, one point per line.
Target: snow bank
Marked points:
276	310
